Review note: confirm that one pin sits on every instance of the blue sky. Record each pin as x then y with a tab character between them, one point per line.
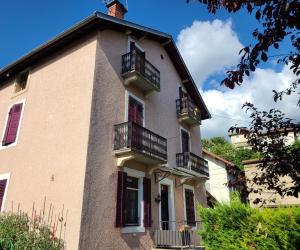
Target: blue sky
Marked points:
209	47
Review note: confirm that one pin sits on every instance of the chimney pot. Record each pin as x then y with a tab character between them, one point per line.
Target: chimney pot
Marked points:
116	9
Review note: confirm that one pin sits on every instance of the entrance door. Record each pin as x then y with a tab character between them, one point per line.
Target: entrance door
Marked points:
165	216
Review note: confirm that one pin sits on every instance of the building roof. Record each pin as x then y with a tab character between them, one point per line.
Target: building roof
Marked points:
100	21
227	163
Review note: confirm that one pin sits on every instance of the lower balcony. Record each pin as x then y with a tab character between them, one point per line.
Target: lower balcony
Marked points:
177	235
132	141
192	164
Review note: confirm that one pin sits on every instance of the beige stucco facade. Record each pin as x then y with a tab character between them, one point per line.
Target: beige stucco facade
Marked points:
270	198
64	151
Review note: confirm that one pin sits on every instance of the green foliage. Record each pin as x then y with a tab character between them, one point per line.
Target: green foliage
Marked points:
221	147
238	226
25	234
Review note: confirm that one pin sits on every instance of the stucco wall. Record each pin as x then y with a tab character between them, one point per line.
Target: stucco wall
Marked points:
50	156
267	196
218	179
108	108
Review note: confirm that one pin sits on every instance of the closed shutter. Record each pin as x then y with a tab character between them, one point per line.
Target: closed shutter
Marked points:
121	195
12	124
2	191
147	202
190	207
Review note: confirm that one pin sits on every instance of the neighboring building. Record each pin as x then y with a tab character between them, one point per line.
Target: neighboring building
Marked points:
219	176
103	121
238	139
269	198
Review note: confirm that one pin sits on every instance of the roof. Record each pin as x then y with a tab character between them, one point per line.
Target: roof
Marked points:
227	163
100	21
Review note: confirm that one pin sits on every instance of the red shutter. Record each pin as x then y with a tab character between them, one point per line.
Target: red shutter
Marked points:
147	202
12	124
121	195
2	191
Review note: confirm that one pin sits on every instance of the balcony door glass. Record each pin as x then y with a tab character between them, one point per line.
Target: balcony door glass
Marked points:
135	111
185	141
165	215
189	207
139	57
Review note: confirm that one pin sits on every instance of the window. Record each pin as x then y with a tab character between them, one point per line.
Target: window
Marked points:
189	205
12	124
21	81
133	206
135	111
132	202
4	179
185	140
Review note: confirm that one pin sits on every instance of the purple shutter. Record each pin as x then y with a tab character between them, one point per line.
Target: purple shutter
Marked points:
147	202
2	191
12	124
121	195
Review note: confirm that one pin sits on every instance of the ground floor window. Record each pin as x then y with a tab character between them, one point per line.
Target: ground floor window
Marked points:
131	212
189	206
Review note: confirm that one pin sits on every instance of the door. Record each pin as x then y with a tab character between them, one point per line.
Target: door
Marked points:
185	141
135	111
189	207
138	58
164	203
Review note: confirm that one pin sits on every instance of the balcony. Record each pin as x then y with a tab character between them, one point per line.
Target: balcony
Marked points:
178	236
188	112
136	142
140	72
192	164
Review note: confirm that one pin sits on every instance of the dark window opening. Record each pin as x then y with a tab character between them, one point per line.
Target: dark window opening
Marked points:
131	212
21	81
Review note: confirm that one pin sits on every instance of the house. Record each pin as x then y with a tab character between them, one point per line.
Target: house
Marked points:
220	172
238	139
102	124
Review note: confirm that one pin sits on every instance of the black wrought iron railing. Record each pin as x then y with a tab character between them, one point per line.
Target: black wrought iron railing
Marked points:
130	135
186	106
135	61
193	162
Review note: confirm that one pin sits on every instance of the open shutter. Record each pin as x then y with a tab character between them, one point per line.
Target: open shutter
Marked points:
121	194
2	191
147	202
12	124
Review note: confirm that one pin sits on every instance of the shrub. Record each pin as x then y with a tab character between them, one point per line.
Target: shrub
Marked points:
23	233
237	226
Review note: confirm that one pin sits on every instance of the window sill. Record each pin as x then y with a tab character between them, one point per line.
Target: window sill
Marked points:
128	230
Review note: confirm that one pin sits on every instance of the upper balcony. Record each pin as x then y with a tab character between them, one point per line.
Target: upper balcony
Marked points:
136	69
136	142
192	164
188	112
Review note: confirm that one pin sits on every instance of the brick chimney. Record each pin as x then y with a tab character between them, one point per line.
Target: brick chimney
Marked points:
116	9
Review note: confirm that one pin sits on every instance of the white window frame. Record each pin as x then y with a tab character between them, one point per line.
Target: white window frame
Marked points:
141	228
189	187
4	177
20	124
190	139
129	94
170	184
130	39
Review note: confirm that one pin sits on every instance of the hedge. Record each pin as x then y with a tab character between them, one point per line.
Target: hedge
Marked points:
237	226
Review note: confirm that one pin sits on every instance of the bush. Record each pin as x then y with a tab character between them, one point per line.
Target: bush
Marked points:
24	234
237	226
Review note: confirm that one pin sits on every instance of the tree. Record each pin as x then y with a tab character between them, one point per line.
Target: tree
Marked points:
279	20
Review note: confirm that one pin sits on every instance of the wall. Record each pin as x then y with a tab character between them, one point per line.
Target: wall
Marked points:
50	156
267	195
108	108
217	179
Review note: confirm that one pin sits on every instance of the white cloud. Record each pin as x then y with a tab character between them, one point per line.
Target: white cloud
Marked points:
225	106
208	48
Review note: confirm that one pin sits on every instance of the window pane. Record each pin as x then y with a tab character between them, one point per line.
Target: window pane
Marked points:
131	208
132	182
